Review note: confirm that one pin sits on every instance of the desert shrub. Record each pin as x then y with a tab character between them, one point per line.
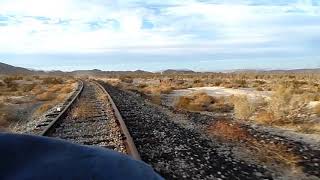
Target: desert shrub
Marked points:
61	97
12	78
36	77
309	128
183	102
37	90
52	80
141	86
202	102
284	105
46	96
232	132
2	84
54	88
317	110
163	88
13	86
243	108
264	117
266	152
217	82
9	114
27	87
222	104
240	83
259	82
155	99
43	108
126	79
81	110
66	89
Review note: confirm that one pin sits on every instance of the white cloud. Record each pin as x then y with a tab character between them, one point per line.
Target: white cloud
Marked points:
177	26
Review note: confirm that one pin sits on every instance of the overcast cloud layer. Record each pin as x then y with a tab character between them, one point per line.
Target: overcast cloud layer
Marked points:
159	30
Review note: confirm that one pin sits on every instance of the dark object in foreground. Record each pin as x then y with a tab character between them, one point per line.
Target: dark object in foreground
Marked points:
33	157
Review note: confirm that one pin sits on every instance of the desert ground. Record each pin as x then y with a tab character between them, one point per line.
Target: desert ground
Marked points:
267	121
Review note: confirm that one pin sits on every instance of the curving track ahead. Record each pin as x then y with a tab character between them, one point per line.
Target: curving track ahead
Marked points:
91	118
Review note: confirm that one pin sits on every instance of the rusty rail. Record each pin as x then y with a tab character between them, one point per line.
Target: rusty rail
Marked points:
130	146
63	113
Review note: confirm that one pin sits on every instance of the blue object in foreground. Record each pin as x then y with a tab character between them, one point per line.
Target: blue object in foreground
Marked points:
33	157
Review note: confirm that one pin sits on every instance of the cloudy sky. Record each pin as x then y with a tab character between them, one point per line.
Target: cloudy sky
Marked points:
159	34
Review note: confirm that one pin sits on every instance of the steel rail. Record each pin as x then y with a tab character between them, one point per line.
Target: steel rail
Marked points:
130	146
128	141
63	113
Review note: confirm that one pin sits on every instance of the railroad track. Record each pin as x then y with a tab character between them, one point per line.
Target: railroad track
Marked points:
90	117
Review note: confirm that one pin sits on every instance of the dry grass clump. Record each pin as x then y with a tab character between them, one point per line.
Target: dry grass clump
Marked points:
195	102
317	110
52	80
243	108
268	153
66	89
28	87
46	96
81	110
286	106
265	117
155	99
54	88
309	128
43	108
159	89
38	89
126	79
228	131
203	102
8	115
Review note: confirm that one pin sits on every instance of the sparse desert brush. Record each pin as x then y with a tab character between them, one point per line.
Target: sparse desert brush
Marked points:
37	90
126	79
243	108
9	114
159	89
27	87
12	78
264	117
317	110
54	88
228	131
43	108
183	102
61	97
66	89
285	105
240	83
221	105
52	80
155	99
46	96
202	102
309	128
267	152
203	99
81	110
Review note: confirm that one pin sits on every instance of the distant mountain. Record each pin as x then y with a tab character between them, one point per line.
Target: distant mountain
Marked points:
176	71
6	69
97	72
280	71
